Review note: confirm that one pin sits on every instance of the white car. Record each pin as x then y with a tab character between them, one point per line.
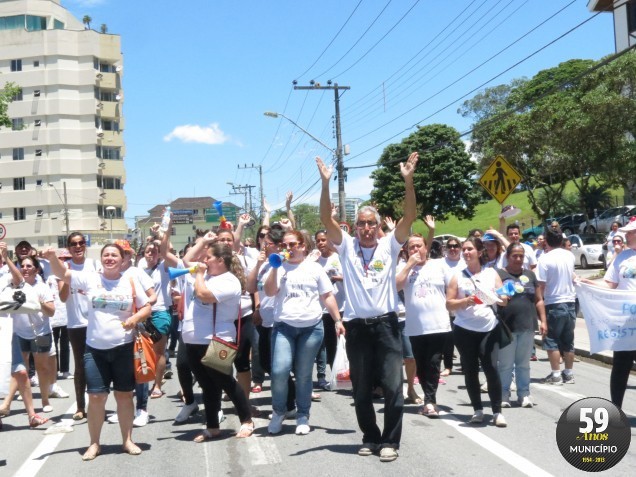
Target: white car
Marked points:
587	249
445	237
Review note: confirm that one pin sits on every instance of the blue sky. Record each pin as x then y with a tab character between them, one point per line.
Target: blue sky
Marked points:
198	76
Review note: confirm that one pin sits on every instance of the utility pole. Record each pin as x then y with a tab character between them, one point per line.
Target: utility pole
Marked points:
66	211
244	190
260	174
340	163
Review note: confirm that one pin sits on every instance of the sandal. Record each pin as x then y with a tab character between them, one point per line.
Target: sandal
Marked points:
428	411
414	399
315	397
246	430
156	393
206	435
257	388
36	420
79	415
93	451
131	449
445	373
4	411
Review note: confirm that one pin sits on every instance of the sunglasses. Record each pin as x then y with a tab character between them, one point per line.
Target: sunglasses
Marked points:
78	244
289	244
453	245
617	241
370	223
262	235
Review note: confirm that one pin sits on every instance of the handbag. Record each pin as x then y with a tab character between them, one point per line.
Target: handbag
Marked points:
152	331
221	354
19	300
504	337
144	359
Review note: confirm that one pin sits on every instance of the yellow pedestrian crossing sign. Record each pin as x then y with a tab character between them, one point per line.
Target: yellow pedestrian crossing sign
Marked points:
500	179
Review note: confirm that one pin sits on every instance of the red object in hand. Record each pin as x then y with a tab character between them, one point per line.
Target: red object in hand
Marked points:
477	300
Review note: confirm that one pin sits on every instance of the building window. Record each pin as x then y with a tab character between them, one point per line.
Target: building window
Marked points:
16	65
18	96
106	152
18	153
105	214
109	182
19	213
0	215
38	182
38	152
19	183
17	124
36	64
38	122
108	125
36	93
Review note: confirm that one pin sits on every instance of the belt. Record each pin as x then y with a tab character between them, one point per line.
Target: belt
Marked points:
372	320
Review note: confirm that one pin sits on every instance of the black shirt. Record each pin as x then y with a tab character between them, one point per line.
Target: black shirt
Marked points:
521	313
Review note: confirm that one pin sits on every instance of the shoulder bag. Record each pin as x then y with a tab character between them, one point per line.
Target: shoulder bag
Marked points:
221	354
144	358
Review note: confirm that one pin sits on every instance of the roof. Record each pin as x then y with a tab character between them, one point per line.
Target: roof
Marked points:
188	203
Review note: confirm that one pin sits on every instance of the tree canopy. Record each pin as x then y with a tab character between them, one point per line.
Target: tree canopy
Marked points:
444	178
7	93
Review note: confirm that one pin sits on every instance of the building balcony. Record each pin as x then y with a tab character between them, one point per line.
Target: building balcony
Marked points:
111	138
108	109
107	80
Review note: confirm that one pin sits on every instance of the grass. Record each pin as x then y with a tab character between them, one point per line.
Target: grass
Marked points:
487	215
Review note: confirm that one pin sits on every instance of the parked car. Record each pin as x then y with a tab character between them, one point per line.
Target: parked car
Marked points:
587	249
603	222
534	232
570	223
445	237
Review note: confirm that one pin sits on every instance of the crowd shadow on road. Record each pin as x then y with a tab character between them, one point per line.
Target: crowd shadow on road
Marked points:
351	449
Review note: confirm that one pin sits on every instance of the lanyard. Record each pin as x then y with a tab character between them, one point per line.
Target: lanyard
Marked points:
366	263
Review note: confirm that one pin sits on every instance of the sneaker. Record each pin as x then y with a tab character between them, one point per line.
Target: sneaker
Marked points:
323	384
552	379
289	415
65	375
368	449
302	426
276	424
221	416
186	411
484	387
477	418
526	401
505	404
388	454
57	392
113	418
513	386
35	383
567	378
141	418
534	358
500	420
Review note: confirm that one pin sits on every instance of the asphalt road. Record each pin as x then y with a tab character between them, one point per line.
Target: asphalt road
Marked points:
446	446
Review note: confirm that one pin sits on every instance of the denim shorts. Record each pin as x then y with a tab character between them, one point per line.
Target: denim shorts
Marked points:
29	346
106	366
407	350
17	363
162	321
561	318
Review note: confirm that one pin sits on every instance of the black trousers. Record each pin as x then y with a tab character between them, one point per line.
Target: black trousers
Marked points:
621	366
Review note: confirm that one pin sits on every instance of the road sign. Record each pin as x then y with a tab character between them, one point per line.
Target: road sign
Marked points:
500	179
345	227
3	231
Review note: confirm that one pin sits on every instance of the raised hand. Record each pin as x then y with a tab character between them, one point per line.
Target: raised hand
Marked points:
325	171
407	169
429	220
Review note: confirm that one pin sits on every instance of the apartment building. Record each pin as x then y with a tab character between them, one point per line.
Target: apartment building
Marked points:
62	161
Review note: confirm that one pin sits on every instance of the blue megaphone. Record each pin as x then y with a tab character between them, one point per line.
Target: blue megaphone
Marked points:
177	272
508	289
277	259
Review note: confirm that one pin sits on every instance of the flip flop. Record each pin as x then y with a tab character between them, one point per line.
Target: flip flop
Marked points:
93	451
206	435
79	416
4	412
414	400
445	373
156	393
246	430
428	411
36	420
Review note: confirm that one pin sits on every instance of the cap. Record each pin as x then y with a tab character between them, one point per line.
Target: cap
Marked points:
23	243
489	238
629	227
620	236
125	245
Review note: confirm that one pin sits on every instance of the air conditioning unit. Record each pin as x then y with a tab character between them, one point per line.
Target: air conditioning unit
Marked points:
39	213
100	105
100	132
99	76
101	165
119	68
38	122
119	97
36	93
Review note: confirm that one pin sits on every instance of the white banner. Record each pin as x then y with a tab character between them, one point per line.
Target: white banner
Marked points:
6	332
610	316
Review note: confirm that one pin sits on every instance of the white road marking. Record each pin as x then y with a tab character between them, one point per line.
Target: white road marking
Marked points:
40	454
520	463
263	450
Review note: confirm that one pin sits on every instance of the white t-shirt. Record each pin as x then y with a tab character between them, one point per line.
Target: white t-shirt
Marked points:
556	270
452	268
141	276
198	318
246	299
161	284
77	303
59	317
110	304
332	267
300	286
425	299
41	324
476	317
623	270
369	276
267	303
529	257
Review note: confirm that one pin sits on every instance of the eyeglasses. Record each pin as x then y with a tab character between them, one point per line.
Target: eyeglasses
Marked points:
78	244
289	244
262	235
453	245
617	241
370	223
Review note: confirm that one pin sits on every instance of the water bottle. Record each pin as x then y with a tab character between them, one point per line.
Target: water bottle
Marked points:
165	220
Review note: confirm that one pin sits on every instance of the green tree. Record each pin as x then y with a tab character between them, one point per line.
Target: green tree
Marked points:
7	93
103	28
307	217
87	21
444	179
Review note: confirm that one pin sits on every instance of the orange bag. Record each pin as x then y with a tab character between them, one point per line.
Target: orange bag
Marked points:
145	360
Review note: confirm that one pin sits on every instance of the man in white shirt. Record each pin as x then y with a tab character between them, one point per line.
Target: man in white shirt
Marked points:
374	343
555	273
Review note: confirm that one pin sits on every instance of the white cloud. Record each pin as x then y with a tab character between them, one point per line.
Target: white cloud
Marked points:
211	134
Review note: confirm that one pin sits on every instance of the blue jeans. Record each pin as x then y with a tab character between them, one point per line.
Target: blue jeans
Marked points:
294	349
375	354
516	356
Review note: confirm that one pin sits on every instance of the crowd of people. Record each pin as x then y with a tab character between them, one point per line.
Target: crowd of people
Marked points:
398	298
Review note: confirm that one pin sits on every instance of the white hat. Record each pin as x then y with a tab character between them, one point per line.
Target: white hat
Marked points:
631	225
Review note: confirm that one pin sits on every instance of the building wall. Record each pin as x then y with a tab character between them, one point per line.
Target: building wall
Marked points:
72	97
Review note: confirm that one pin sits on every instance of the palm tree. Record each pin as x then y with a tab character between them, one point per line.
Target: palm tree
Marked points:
103	28
87	21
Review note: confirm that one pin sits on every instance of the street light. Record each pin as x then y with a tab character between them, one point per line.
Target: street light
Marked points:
65	203
111	211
